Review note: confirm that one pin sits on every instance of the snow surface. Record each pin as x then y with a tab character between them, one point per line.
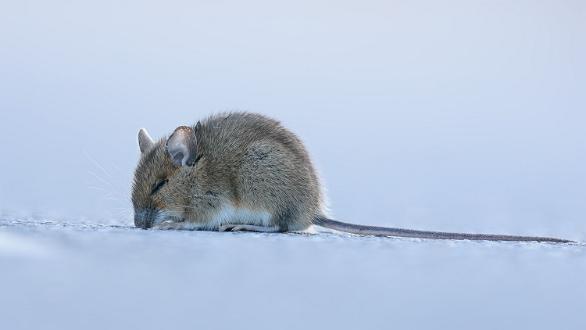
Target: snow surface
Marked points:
62	275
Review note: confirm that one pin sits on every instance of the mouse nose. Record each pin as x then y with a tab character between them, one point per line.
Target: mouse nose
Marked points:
144	218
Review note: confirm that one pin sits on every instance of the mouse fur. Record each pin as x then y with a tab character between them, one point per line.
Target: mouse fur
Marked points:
244	172
229	169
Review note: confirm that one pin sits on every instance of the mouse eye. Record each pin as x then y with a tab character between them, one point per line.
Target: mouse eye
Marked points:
158	185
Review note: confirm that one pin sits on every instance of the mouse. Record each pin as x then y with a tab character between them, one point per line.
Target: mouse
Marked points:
242	171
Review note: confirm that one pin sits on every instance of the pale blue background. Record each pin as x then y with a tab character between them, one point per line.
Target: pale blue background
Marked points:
458	115
442	115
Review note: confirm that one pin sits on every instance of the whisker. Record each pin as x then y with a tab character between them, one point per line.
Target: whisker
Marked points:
97	177
96	163
110	192
97	188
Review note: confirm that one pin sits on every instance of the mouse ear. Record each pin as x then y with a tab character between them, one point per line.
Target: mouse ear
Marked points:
145	142
182	146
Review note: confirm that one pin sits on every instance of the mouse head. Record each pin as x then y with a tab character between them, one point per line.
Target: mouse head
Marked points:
161	183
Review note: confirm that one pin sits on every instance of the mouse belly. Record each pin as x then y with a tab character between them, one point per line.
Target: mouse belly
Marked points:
227	216
231	215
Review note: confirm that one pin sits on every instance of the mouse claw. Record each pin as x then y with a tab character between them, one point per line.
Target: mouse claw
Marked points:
234	227
165	225
227	227
251	228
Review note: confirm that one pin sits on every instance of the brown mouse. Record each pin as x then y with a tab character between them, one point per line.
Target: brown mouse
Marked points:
243	172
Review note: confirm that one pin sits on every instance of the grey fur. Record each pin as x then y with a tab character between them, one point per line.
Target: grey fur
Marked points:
247	162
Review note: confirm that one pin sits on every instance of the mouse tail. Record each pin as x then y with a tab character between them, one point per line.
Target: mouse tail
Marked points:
398	232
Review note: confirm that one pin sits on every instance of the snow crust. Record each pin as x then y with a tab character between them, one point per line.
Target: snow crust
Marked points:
67	275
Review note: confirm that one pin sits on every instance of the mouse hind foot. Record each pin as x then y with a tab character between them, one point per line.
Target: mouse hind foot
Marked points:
252	228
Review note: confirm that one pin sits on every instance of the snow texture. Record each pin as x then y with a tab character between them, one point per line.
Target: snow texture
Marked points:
60	275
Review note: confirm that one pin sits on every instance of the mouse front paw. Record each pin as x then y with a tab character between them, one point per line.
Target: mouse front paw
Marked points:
252	228
228	227
166	225
234	227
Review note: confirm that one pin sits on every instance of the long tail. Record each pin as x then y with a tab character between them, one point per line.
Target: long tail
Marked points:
397	232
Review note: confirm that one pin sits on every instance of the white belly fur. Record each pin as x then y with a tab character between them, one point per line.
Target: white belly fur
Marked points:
229	214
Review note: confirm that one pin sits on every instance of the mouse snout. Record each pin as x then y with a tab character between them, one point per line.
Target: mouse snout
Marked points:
145	218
